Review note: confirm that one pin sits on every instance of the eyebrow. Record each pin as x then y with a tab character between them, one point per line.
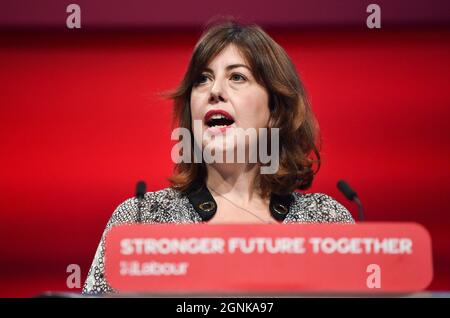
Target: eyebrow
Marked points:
230	67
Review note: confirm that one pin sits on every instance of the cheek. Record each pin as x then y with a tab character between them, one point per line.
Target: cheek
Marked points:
196	105
254	109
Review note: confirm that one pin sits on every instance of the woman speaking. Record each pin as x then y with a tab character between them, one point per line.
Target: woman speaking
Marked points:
239	82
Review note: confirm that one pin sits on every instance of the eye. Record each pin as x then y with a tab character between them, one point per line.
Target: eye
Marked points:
201	79
238	77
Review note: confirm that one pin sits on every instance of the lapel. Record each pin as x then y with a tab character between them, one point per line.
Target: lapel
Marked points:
205	205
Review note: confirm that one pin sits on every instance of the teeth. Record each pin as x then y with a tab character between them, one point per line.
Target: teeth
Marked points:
219	121
217	116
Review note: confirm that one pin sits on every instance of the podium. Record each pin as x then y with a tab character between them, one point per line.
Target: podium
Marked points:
281	259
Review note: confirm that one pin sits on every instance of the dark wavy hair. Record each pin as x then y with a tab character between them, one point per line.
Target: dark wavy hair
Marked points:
289	108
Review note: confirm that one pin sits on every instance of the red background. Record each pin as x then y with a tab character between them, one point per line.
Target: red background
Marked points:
81	122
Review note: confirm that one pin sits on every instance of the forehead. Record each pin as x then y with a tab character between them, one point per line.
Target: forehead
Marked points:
231	54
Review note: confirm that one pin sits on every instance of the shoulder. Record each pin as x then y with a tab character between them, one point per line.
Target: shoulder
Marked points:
318	208
164	206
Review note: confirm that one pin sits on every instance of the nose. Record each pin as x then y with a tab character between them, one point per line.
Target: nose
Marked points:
217	93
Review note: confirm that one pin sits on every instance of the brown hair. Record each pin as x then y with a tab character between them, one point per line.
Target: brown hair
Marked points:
288	103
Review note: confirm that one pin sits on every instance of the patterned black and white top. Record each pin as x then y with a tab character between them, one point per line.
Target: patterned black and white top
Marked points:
170	206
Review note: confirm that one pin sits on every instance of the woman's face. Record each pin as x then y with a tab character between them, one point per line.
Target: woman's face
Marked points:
226	97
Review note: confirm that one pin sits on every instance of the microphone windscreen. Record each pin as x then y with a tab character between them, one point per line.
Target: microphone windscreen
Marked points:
346	190
141	189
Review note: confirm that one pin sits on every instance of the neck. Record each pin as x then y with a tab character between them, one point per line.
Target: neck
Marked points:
235	180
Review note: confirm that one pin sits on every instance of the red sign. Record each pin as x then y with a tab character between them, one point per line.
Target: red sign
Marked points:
279	258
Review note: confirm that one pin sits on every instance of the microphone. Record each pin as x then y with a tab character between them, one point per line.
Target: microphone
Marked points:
351	195
141	189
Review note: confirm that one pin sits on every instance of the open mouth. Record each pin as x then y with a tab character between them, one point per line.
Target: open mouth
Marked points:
218	118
